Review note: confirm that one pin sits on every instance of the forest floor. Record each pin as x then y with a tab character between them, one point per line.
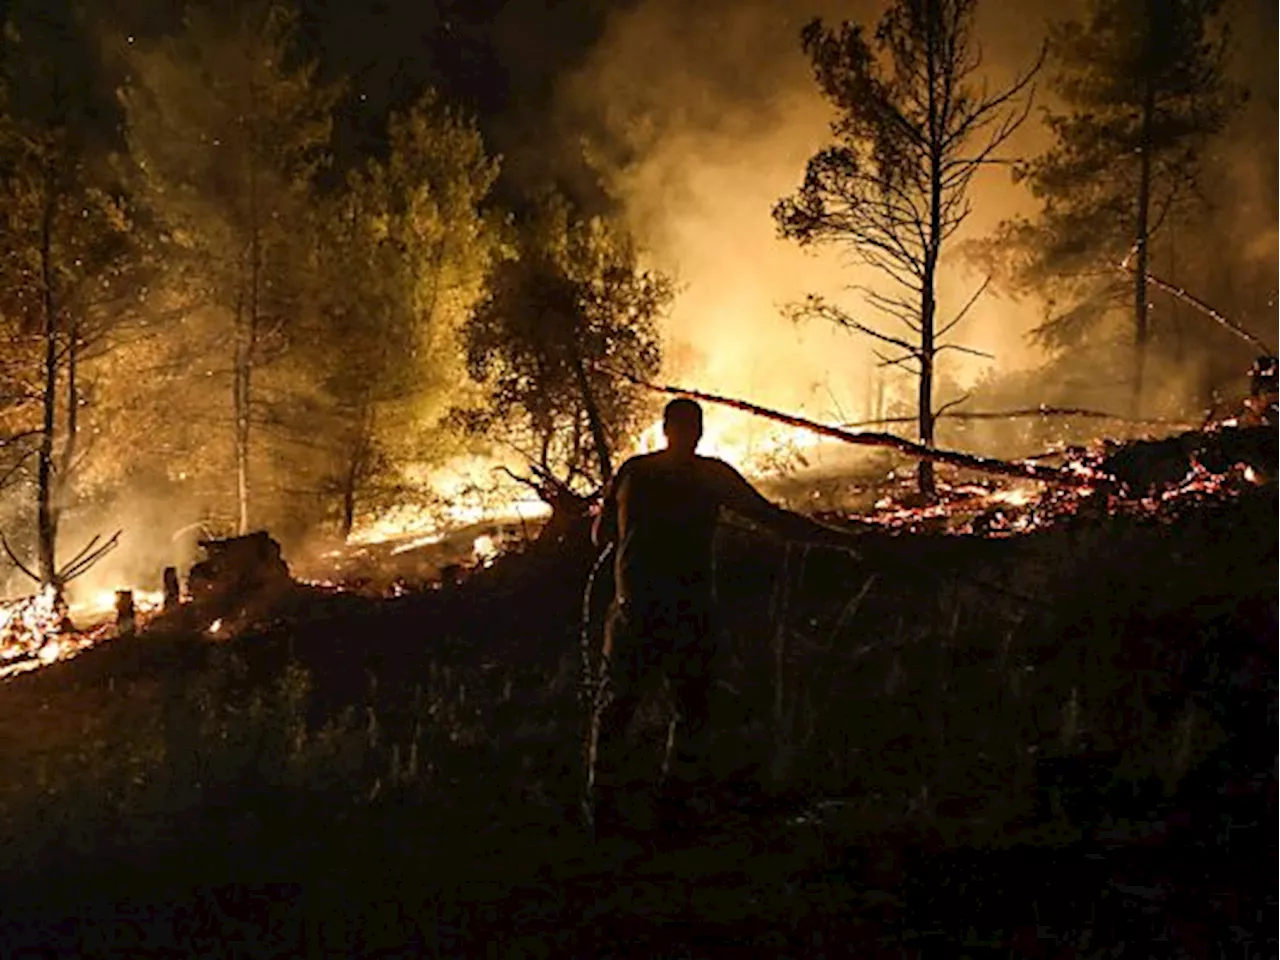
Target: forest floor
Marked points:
1057	744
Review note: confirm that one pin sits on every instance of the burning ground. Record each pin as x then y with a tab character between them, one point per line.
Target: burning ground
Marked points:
1030	726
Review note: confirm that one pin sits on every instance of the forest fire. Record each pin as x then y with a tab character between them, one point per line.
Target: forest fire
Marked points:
29	633
971	509
468	491
1219	463
35	633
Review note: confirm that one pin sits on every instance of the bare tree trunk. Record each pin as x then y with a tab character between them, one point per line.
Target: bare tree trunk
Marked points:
348	506
598	437
70	442
924	476
246	347
46	517
240	398
928	304
1175	308
356	465
1140	313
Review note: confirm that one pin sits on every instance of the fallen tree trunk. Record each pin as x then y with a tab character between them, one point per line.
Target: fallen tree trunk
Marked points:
1022	471
1182	294
1025	413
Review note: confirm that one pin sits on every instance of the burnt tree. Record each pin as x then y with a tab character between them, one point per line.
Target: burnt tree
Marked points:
915	125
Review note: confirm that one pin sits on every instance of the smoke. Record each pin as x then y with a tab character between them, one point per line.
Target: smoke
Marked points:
701	117
157	527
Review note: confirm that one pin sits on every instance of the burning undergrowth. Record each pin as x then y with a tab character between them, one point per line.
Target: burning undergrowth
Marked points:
1157	478
415	551
36	631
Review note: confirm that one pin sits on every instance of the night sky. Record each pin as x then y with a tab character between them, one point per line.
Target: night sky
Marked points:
502	60
499	60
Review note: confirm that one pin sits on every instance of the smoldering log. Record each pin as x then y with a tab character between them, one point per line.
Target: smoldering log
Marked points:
172	591
968	461
126	617
1024	413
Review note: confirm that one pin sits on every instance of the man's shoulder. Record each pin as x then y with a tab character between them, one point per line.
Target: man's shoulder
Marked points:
640	461
638	465
704	468
715	467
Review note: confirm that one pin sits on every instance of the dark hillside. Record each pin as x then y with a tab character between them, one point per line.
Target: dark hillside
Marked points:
1056	742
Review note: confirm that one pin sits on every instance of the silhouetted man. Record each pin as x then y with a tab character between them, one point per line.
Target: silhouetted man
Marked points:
660	512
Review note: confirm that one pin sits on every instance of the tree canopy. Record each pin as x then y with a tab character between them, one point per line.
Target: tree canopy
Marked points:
558	321
1141	89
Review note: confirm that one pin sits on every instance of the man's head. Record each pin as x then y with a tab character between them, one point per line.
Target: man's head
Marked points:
682	425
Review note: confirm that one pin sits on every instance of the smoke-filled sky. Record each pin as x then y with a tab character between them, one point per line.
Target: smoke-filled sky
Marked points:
709	112
700	116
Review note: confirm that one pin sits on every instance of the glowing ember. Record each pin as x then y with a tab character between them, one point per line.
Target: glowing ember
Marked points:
974	509
34	633
468	490
25	619
1017	497
485	549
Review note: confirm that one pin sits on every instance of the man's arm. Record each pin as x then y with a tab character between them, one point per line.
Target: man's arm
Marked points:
738	495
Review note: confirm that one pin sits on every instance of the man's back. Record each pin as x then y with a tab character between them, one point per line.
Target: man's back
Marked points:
667	507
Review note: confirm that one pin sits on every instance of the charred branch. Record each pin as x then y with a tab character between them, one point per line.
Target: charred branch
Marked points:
89	555
1022	471
1039	412
1200	306
13	558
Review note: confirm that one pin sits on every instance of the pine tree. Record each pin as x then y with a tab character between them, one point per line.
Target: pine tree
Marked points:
1142	90
229	132
413	245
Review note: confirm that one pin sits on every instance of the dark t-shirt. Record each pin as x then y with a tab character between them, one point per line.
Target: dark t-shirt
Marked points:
662	510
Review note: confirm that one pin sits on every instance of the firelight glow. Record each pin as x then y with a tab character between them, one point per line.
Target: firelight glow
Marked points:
750	451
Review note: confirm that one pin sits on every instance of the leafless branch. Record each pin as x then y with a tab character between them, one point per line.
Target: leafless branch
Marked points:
17	437
1202	307
1029	412
1025	471
895	307
13	558
942	410
16	467
894	361
87	559
818	308
969	350
950	325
